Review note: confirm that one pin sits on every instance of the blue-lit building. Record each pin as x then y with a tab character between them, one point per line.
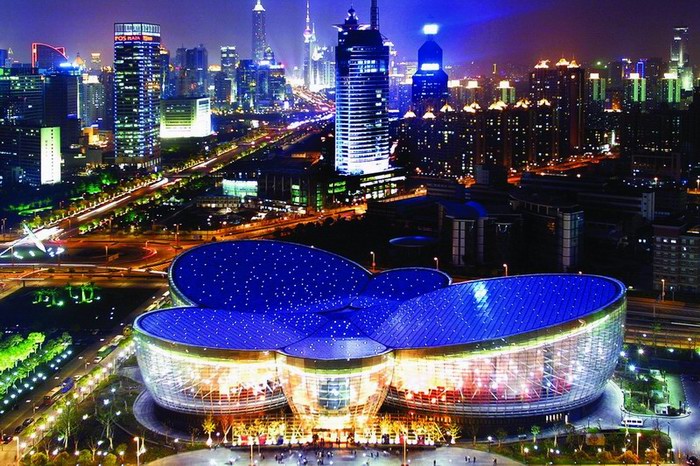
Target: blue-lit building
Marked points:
259	32
362	99
137	89
48	58
265	325
430	81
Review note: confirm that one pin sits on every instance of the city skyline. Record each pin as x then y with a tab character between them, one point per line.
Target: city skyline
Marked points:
483	34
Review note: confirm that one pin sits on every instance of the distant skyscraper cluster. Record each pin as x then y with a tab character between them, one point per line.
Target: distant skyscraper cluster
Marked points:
558	110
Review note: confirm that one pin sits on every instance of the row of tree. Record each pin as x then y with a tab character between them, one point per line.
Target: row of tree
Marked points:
16	348
50	351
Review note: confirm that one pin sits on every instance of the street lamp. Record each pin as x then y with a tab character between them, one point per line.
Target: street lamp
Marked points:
405	442
505	267
437	263
663	289
374	261
139	450
17	440
639	434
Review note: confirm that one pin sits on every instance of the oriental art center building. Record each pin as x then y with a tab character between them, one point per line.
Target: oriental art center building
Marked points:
264	326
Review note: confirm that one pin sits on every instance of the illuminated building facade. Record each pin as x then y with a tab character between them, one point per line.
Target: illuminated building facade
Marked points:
30	154
48	58
185	118
137	84
430	81
266	324
259	32
362	99
680	58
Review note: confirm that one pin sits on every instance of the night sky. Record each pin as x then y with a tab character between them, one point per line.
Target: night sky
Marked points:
519	31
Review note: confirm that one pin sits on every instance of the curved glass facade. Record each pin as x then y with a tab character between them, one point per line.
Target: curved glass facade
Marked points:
281	325
553	370
549	371
209	383
336	395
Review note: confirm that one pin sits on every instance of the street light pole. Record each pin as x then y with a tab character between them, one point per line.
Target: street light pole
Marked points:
374	261
437	263
663	289
138	450
505	266
639	434
405	442
17	439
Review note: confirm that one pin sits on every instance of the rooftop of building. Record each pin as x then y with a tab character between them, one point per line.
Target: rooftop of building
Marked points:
309	303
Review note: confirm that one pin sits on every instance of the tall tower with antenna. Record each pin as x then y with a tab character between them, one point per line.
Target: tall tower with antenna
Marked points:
309	43
259	32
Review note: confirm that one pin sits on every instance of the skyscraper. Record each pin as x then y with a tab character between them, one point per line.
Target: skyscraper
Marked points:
309	43
259	33
137	81
430	81
362	96
196	66
229	60
246	83
680	60
46	57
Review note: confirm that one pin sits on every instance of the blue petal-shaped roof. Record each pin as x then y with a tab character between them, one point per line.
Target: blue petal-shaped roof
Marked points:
265	276
399	285
225	329
307	303
338	339
486	310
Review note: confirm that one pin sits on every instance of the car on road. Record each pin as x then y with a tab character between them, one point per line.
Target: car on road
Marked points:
692	461
19	429
6	438
27	422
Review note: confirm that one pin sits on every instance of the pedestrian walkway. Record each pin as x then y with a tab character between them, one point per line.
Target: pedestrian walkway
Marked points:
443	456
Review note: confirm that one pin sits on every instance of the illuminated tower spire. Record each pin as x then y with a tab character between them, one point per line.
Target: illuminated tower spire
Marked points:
259	33
309	41
307	31
375	15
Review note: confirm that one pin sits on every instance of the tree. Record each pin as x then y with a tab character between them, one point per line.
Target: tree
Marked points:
208	427
109	460
226	422
62	459
106	418
454	430
628	457
501	435
85	457
39	459
473	427
652	456
67	423
535	431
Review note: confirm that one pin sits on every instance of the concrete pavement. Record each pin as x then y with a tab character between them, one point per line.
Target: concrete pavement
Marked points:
444	456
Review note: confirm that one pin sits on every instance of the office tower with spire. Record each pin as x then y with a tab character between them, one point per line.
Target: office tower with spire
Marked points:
362	96
680	59
430	81
309	45
137	82
259	32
